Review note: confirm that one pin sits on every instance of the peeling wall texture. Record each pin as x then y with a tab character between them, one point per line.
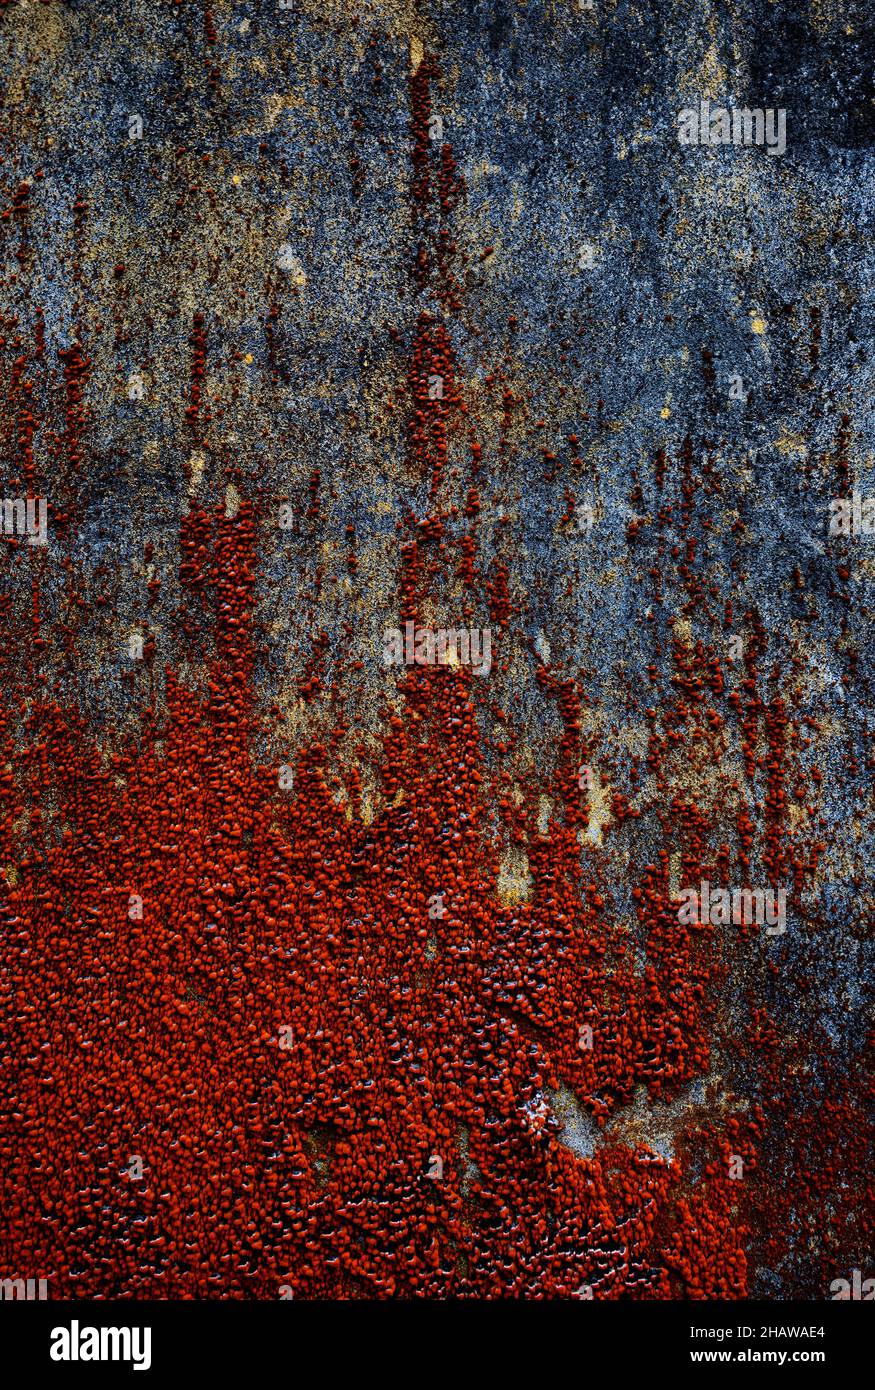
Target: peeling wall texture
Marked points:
330	970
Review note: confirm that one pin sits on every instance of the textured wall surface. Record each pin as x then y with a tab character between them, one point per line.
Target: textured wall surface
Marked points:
328	977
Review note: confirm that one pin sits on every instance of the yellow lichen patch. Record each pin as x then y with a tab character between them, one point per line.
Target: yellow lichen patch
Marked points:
277	102
790	444
710	79
713	73
197	463
674	874
514	882
599	799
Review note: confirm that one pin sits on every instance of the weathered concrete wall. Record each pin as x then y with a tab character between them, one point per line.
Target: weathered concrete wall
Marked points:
350	979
